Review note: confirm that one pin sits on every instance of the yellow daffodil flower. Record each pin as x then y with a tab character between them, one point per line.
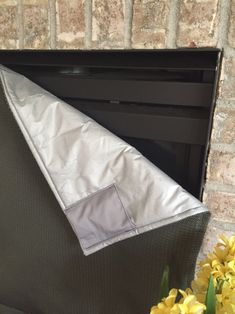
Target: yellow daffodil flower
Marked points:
188	304
221	265
167	304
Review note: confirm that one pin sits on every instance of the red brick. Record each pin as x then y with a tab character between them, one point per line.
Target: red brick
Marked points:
227	84
70	24
224	126
221	167
36	24
221	204
198	22
108	24
8	23
149	23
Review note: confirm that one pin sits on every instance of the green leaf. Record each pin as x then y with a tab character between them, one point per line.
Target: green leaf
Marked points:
210	297
164	287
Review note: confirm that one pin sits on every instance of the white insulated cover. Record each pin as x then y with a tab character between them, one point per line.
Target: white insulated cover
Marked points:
107	189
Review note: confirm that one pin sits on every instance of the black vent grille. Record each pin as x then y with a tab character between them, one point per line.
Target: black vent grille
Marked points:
160	101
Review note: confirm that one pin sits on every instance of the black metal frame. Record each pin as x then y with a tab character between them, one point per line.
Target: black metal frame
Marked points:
161	95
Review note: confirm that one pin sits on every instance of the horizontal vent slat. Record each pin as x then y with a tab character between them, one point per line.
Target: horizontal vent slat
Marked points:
150	92
161	128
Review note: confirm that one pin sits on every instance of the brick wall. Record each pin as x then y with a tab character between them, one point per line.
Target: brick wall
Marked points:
105	24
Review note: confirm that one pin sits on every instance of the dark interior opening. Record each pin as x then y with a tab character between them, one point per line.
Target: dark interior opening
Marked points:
161	102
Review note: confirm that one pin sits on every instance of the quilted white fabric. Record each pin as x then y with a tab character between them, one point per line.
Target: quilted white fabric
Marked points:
105	187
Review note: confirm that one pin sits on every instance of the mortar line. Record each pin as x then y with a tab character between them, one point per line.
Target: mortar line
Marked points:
223	147
128	17
173	20
229	51
52	23
88	24
219	187
223	26
225	103
225	225
20	22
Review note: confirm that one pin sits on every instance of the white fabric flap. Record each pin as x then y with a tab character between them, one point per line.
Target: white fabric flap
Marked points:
106	188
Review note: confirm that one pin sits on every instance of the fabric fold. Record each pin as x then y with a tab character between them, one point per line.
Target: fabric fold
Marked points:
106	188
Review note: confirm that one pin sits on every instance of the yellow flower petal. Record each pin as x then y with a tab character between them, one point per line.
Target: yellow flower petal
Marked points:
190	300
197	309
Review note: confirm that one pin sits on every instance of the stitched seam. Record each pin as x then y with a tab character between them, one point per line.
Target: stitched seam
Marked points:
91	194
174	216
124	208
70	208
81	240
115	235
132	226
152	226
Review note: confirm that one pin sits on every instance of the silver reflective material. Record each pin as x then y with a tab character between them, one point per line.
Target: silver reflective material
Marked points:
106	188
